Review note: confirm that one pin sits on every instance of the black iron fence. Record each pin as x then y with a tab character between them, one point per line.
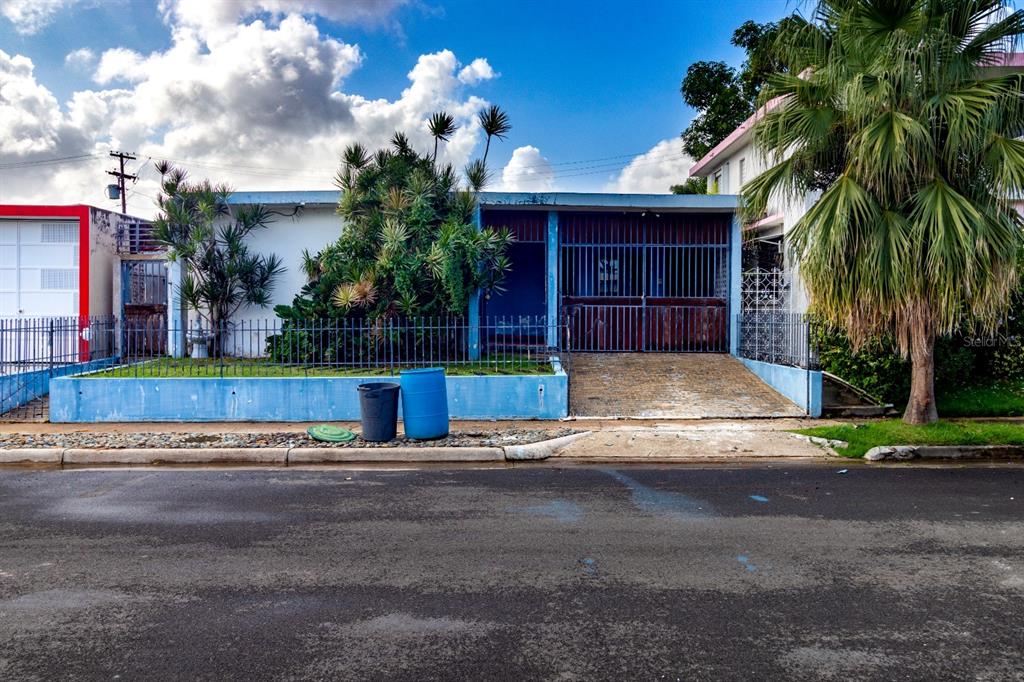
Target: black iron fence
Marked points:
30	344
33	350
780	338
275	347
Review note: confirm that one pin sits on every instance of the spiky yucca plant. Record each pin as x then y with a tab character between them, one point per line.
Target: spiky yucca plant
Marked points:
409	246
912	141
202	230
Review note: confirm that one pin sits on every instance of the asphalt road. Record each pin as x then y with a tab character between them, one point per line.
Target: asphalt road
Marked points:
769	572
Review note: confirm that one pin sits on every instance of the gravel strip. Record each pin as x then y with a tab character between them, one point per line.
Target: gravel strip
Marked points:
285	439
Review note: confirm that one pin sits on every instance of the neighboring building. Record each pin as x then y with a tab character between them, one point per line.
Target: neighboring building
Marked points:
769	280
77	261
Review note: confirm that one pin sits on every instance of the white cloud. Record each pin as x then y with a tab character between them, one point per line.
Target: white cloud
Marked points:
477	70
655	171
82	58
28	16
210	17
260	106
527	171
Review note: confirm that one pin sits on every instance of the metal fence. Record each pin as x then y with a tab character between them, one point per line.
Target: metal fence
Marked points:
275	347
780	338
31	344
32	350
650	328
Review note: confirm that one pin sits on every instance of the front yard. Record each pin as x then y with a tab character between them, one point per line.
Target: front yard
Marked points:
863	437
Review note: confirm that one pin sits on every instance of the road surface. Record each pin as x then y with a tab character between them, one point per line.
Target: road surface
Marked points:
770	571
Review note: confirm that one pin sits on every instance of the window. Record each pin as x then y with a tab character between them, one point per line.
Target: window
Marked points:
743	171
716	182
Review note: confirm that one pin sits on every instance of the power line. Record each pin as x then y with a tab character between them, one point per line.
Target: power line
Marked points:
46	162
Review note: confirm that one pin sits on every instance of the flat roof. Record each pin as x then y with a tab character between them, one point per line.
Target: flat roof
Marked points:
525	200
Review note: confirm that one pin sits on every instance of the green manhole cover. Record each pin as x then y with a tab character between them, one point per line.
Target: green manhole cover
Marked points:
330	434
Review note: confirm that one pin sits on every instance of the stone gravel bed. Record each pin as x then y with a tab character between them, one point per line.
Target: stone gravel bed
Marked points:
284	439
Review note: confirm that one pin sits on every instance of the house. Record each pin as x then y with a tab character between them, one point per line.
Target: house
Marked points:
592	275
630	272
770	281
79	263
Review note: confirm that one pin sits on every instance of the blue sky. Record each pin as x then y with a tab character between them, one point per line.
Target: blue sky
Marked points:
581	80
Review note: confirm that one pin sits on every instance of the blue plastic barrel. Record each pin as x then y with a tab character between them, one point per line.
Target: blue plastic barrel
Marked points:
424	403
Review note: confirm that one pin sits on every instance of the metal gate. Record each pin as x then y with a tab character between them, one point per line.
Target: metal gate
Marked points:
645	282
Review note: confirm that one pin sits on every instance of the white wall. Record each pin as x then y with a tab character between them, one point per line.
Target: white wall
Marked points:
314	229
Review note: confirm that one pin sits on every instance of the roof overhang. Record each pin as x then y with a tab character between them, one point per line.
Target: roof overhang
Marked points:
582	201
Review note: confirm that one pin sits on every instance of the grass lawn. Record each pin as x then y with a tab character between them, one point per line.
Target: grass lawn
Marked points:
236	367
863	437
1003	399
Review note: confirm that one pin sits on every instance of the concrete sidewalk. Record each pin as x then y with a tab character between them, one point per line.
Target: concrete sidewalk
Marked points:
584	424
605	440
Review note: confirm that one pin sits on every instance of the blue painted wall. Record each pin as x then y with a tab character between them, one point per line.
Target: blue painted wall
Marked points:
18	389
801	386
79	399
524	285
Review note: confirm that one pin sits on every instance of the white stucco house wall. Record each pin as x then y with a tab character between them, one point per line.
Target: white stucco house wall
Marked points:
731	164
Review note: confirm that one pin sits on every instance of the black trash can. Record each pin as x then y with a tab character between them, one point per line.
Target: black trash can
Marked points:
378	411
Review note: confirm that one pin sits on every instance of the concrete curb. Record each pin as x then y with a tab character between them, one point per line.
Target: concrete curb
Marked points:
31	456
542	450
424	454
902	453
146	456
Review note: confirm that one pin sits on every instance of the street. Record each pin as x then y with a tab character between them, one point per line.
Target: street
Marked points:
766	571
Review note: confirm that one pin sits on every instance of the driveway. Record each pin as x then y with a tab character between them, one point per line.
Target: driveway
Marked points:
779	571
670	386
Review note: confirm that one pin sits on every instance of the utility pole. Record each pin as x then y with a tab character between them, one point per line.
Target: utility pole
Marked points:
122	176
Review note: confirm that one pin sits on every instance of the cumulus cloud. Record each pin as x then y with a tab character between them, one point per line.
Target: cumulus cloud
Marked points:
211	17
654	171
476	71
261	106
82	58
28	16
527	171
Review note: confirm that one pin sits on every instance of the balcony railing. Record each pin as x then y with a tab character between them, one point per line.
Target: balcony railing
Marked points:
137	238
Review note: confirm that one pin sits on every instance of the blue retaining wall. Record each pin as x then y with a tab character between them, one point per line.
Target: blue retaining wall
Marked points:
24	387
80	399
801	386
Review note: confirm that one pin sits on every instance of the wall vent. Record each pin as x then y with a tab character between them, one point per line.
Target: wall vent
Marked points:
58	279
59	233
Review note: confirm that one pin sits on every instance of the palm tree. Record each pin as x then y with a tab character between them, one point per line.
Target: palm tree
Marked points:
495	123
441	125
911	141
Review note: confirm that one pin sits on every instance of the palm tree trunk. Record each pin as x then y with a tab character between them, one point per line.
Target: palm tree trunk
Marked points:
487	148
921	405
435	150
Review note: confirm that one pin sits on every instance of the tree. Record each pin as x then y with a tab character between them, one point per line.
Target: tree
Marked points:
408	246
208	235
441	125
691	186
914	147
495	123
715	91
723	96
